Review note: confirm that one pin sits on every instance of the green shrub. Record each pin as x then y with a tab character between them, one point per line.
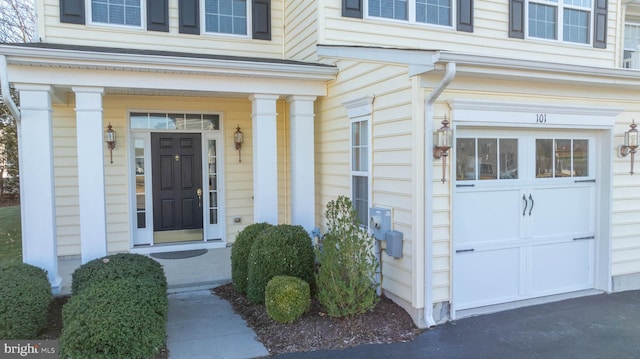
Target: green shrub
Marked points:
280	250
119	318
287	298
118	266
240	254
25	294
347	263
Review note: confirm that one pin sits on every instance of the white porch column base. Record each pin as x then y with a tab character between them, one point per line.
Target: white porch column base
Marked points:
93	219
303	192
265	158
37	188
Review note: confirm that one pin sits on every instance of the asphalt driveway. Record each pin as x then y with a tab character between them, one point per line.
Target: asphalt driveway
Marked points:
599	326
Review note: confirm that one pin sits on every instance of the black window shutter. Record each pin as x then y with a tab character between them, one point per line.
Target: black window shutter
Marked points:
352	8
261	19
465	15
158	15
600	24
516	19
72	11
189	14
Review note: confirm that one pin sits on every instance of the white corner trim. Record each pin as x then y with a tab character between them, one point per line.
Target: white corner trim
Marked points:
480	111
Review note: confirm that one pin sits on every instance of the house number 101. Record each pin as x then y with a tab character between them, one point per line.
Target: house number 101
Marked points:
541	118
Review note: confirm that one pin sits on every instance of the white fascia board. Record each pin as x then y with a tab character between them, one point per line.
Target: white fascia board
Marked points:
418	58
142	62
498	67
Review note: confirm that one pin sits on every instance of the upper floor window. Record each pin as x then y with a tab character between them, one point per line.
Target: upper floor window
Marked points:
569	20
436	12
116	12
631	56
226	16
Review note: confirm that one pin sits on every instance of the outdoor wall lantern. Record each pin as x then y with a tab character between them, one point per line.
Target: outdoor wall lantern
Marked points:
630	143
238	138
443	138
110	139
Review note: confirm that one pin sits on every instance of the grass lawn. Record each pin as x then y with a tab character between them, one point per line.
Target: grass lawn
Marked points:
10	235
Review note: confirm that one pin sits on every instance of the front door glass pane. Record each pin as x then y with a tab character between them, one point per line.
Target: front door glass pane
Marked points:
544	159
488	158
213	182
466	159
508	158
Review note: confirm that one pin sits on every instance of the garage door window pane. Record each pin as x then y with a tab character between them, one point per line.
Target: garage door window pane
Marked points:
580	158
563	158
488	158
544	158
466	159
508	158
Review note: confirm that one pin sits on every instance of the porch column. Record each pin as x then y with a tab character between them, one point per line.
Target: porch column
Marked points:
37	189
89	127
265	158
303	200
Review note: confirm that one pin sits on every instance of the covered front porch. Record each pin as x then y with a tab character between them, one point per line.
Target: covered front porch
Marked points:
80	205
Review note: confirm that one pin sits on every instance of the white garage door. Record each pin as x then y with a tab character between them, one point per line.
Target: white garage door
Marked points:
524	215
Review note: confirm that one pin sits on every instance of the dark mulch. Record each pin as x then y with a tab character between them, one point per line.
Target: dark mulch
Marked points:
53	330
315	330
9	200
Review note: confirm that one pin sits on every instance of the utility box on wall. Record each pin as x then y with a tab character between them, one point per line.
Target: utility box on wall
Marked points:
379	222
394	244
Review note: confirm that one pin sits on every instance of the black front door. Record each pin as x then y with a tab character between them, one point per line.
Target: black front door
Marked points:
177	186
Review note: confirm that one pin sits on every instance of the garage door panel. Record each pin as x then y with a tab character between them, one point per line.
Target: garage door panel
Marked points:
486	277
487	217
561	267
561	211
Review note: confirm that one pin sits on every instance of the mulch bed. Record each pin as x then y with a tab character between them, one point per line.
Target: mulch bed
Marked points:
315	330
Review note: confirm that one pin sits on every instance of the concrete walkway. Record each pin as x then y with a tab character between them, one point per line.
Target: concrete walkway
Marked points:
201	325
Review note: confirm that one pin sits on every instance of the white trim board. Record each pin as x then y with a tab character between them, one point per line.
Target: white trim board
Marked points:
487	113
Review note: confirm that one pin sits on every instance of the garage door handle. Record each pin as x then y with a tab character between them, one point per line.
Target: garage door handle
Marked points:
464	250
524	198
532	203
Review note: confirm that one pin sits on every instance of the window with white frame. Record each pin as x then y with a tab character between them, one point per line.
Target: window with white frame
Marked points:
117	12
360	167
631	58
437	12
226	16
568	20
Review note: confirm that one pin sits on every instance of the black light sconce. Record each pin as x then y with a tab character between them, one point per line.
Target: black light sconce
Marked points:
630	143
238	139
443	139
110	139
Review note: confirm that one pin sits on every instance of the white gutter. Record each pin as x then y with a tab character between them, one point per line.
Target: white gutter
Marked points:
450	73
6	91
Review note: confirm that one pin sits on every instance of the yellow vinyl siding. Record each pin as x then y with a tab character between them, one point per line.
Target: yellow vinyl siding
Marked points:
391	179
490	36
300	23
122	37
238	176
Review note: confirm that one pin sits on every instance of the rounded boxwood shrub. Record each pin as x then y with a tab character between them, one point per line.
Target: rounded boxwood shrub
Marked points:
120	318
25	294
287	298
240	254
280	250
118	266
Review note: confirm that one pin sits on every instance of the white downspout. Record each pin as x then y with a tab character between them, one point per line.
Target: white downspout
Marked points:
6	91
450	73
